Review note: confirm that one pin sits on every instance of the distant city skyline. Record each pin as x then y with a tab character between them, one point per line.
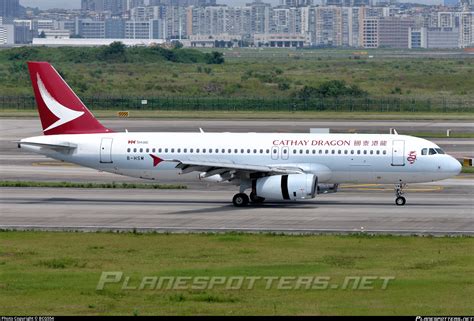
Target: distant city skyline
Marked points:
76	4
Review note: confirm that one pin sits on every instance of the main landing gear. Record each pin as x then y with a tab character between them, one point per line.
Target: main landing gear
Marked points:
241	199
400	200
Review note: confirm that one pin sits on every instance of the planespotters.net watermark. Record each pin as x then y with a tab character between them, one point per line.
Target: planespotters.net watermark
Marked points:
242	282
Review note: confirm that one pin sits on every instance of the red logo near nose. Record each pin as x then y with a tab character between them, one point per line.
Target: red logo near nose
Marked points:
411	157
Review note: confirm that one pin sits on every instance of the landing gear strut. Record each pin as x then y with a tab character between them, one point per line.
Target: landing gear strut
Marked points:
400	200
256	199
240	200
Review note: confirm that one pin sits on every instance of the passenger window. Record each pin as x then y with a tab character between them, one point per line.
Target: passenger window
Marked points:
147	150
352	151
229	151
197	150
358	151
320	151
223	151
301	151
242	151
268	151
385	152
236	150
326	152
314	151
365	152
179	150
284	151
185	150
154	150
248	151
172	150
333	151
255	151
339	151
371	152
377	152
307	151
204	150
261	151
345	152
128	150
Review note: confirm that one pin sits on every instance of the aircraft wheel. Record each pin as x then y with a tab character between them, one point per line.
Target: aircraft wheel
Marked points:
240	200
400	201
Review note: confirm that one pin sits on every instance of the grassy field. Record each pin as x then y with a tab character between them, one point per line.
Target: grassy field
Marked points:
300	115
274	75
58	273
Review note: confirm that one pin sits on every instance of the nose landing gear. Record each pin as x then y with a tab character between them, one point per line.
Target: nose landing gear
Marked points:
400	200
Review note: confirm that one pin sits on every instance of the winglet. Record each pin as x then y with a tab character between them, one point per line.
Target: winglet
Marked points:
60	110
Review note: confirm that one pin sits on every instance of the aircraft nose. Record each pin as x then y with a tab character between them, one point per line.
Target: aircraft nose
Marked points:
453	166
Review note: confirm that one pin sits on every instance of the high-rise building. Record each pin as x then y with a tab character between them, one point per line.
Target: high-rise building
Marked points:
92	5
296	3
89	28
116	7
369	33
442	38
393	31
328	26
10	8
466	29
114	28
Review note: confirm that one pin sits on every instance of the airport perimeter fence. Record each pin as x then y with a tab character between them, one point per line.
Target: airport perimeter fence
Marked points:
275	104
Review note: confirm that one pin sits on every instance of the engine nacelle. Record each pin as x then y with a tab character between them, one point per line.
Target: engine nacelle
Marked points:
287	187
327	188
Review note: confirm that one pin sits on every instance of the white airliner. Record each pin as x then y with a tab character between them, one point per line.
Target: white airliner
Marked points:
273	167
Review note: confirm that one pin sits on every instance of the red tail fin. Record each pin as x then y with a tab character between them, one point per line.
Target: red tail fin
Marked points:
60	110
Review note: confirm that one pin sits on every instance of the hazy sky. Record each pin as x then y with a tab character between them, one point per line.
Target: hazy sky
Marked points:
71	4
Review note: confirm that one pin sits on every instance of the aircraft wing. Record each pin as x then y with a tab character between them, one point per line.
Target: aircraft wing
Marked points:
232	169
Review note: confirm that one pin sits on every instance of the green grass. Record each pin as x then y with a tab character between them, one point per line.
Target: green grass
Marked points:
467	170
251	75
89	185
300	115
57	273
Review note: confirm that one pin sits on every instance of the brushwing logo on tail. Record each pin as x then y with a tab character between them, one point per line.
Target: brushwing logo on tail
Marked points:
64	114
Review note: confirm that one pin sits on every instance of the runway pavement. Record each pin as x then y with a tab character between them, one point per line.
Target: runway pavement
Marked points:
438	208
211	211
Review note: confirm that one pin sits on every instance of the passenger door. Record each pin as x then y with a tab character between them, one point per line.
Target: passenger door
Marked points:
398	153
106	150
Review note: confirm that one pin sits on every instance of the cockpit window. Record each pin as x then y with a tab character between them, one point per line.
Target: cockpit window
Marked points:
440	151
432	151
424	151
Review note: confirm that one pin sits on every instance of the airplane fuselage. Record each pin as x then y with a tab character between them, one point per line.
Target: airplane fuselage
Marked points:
334	158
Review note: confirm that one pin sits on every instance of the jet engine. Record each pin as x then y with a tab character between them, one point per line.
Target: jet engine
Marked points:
287	187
